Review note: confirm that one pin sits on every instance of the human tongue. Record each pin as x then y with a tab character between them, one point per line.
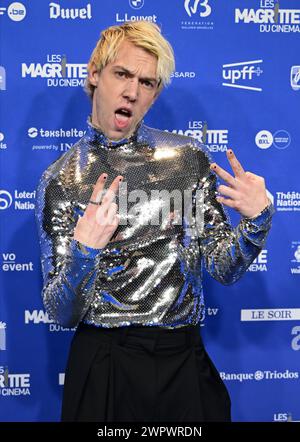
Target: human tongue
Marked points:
122	120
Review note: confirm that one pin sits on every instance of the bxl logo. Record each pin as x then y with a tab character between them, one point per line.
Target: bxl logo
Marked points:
192	9
136	4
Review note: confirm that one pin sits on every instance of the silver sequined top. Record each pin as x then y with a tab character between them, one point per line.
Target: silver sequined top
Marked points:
150	273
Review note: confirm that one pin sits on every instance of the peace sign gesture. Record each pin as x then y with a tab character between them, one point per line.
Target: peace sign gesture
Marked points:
100	219
246	192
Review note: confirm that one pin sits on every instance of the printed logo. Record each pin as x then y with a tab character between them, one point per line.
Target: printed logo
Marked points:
2	335
14	384
260	263
295	78
245	71
295	344
278	314
56	11
270	17
260	375
42	317
198	11
22	200
16	11
264	139
199	7
136	4
2	79
288	201
57	70
34	132
9	264
5	199
2	145
215	139
281	139
295	268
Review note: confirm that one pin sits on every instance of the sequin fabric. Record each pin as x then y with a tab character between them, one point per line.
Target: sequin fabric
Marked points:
148	274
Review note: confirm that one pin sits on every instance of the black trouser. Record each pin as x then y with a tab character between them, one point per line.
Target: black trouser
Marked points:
142	374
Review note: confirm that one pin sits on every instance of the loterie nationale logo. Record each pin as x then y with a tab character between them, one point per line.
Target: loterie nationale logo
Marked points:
57	70
19	200
270	16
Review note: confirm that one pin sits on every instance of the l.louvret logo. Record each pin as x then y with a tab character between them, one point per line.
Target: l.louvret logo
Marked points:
243	75
14	384
19	200
271	16
58	71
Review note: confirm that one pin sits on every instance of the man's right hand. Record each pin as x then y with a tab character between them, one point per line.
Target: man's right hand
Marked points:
99	222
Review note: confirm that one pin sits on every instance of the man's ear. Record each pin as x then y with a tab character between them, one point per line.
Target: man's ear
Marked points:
93	75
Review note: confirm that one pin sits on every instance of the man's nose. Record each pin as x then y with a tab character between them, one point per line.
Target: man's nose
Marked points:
131	89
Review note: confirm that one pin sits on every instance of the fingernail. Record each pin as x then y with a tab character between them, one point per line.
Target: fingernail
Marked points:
213	166
120	179
230	152
104	177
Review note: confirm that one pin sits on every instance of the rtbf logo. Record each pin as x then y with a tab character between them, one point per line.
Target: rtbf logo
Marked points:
192	7
243	71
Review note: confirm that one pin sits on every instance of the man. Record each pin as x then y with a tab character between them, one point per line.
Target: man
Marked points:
133	287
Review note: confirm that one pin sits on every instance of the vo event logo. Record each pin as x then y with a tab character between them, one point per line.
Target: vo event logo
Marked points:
244	71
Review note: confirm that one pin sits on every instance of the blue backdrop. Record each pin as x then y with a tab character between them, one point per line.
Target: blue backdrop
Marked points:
237	85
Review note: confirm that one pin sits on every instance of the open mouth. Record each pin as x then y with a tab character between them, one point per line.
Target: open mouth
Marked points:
123	117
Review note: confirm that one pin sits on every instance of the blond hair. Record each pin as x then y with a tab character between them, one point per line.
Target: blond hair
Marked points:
143	34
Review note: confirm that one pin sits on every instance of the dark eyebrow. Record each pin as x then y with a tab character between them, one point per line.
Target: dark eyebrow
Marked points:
128	72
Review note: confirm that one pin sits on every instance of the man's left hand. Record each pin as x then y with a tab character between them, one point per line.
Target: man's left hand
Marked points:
246	192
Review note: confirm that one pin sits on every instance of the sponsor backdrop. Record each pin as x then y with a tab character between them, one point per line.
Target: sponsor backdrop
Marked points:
236	85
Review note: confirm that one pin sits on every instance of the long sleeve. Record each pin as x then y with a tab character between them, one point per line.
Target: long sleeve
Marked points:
69	270
228	251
